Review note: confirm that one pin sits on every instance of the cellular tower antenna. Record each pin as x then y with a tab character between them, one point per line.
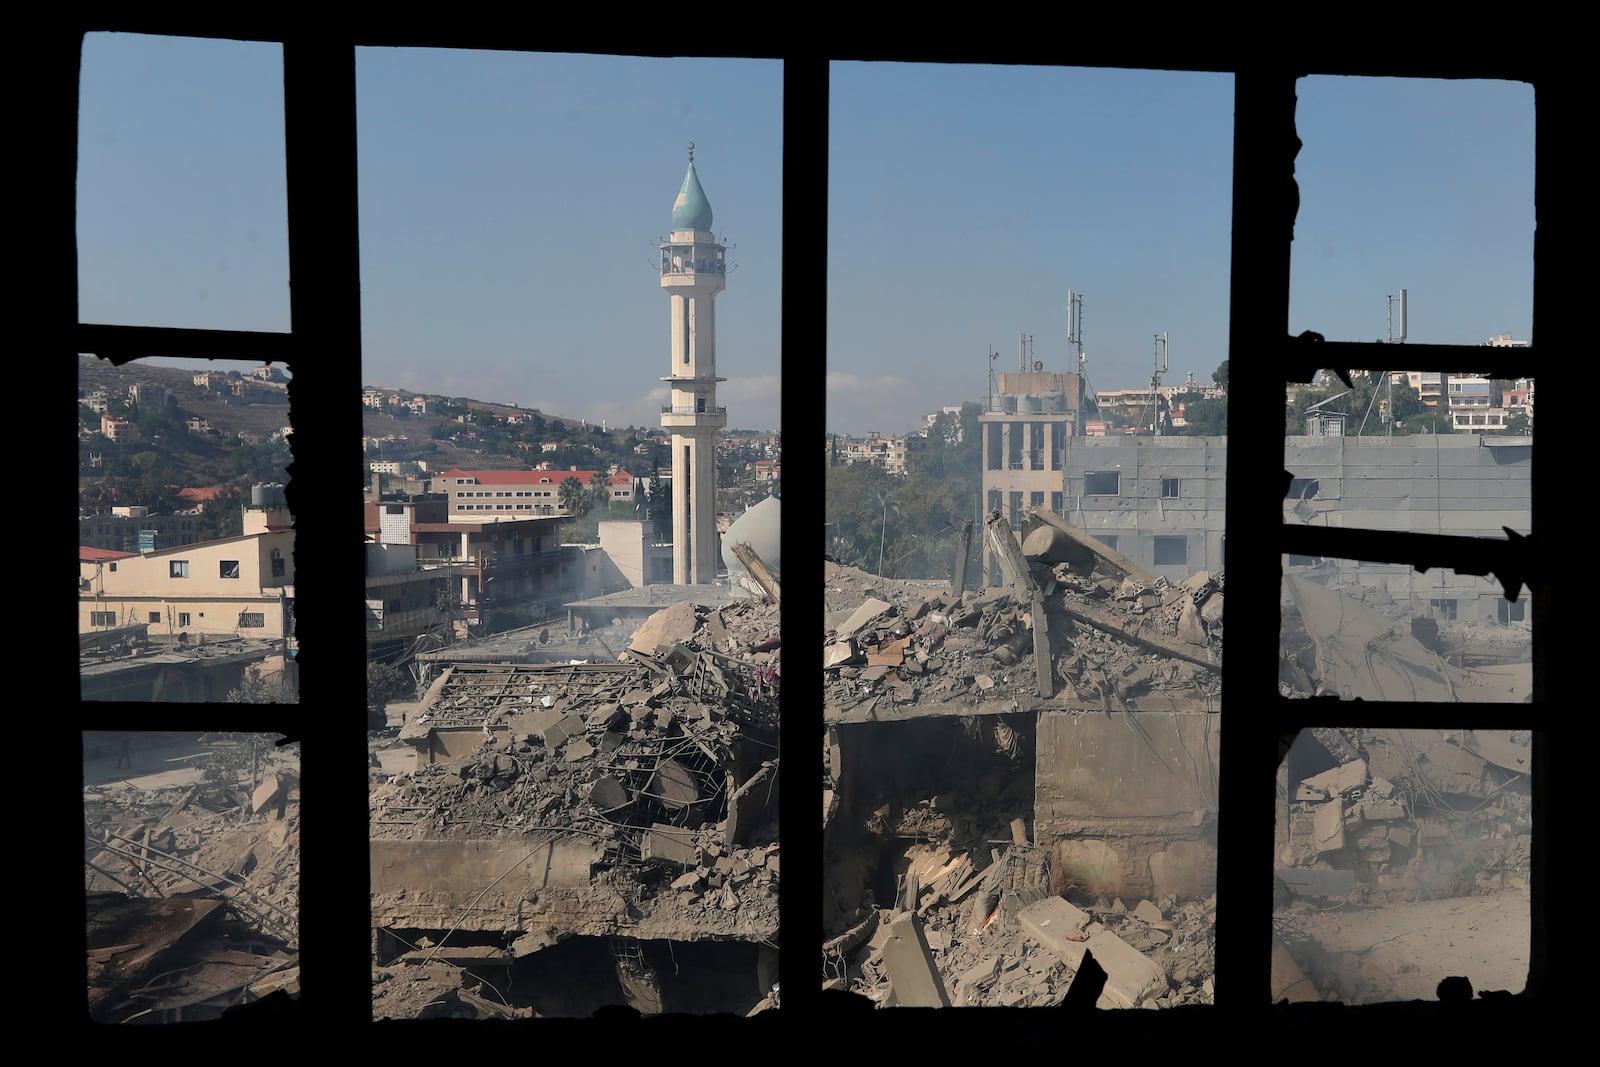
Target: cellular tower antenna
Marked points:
1155	377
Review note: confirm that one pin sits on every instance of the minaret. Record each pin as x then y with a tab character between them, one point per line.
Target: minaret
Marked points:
693	271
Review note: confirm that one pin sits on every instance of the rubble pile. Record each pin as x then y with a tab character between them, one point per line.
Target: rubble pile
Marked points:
961	929
193	894
1375	823
663	763
1112	641
1404	814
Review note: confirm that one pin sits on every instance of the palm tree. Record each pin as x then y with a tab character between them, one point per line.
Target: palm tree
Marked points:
574	500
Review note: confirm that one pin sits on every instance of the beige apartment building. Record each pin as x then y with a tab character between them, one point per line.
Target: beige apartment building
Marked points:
236	586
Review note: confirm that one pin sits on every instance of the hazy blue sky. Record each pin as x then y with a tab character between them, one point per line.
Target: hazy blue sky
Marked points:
511	210
966	202
511	205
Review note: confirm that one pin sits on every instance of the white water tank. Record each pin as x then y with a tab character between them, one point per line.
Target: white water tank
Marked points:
758	527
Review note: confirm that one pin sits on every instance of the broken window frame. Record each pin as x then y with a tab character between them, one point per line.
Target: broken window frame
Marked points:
323	350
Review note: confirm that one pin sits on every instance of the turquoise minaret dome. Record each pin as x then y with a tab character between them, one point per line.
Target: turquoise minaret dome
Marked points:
691	211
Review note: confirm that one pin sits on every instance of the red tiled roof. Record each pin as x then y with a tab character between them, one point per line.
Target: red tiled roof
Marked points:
88	554
522	477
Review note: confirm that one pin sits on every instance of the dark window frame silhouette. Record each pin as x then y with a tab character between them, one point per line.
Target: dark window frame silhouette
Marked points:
323	347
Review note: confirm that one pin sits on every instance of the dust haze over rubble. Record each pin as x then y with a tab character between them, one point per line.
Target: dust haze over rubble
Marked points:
1402	859
551	838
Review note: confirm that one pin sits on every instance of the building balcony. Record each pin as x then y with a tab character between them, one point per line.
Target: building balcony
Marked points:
685	418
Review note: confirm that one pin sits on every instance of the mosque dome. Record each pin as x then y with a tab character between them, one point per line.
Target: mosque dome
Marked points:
691	211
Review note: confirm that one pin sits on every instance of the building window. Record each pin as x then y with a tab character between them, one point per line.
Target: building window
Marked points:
252	620
1109	540
229	568
1303	488
102	618
1303	561
1444	610
1510	611
1171	551
1169	488
154	617
1102	483
277	563
183	619
1036	499
1055	503
178	568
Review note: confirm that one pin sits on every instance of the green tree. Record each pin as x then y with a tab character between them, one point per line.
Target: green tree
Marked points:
385	684
574	499
1204	417
1517	425
256	688
1220	375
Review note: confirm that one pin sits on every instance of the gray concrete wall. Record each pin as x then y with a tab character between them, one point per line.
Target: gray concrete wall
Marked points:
1128	804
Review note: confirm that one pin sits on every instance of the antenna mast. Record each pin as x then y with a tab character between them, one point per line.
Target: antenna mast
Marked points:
1155	377
1075	340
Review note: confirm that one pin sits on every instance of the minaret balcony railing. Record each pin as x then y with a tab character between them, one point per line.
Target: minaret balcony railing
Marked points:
669	409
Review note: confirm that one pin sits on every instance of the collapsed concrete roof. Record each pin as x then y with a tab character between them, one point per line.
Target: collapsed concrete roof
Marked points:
633	799
1362	654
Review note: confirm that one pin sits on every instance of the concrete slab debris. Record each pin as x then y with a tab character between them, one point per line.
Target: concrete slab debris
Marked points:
633	817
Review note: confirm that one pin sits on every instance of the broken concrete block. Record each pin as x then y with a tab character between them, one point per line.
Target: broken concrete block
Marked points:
269	797
669	626
608	794
554	727
1337	782
868	611
669	844
1131	979
980	973
840	652
1328	833
909	962
1148	912
602	715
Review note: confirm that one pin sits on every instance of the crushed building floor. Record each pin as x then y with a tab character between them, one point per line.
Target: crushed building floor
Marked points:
592	818
192	886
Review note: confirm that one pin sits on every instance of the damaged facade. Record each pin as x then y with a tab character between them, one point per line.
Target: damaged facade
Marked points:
982	828
588	833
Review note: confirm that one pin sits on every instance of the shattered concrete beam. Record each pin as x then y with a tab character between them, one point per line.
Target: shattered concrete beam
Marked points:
757	568
1005	543
958	582
1115	625
912	974
1104	551
1006	547
1043	661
